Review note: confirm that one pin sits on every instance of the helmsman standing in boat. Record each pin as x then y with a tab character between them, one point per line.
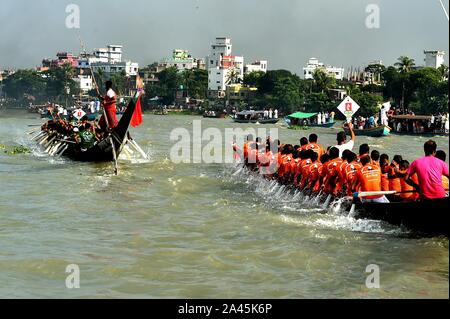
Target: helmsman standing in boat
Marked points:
109	104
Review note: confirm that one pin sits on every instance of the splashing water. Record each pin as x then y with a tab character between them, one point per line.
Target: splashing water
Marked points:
295	207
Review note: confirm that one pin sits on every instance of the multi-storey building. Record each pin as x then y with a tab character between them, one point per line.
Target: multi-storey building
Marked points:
434	59
257	66
223	67
314	64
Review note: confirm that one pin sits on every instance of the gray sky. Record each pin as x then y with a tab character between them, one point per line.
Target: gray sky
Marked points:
286	32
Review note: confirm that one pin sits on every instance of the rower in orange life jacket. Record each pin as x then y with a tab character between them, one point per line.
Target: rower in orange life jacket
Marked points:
313	145
109	104
314	174
408	191
385	168
351	169
394	180
311	158
368	179
332	183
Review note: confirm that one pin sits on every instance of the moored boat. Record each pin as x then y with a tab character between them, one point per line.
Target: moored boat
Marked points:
417	125
378	131
215	116
254	117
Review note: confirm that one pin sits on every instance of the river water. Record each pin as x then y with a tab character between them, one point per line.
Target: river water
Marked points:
165	230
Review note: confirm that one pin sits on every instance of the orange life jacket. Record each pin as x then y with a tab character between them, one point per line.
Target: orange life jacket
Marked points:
369	178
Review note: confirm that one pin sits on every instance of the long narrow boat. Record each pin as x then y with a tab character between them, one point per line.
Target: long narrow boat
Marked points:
378	131
429	217
254	117
428	130
102	151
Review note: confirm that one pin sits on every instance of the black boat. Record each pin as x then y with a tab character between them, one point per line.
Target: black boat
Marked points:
103	150
253	117
428	217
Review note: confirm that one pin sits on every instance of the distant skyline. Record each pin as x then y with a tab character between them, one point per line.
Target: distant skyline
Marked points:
286	33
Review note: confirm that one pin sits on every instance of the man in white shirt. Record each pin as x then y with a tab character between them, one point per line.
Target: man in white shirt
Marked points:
92	107
342	144
275	116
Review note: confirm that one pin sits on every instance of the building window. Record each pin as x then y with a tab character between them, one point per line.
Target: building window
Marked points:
218	82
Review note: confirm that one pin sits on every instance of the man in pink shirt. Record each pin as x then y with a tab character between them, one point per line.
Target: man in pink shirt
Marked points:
429	170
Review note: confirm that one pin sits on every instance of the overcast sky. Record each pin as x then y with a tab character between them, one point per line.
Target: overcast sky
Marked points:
285	32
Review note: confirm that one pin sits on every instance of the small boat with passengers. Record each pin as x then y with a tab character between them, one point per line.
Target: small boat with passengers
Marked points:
305	120
254	117
378	131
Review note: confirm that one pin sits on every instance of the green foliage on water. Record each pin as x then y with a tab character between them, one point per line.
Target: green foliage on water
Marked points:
14	150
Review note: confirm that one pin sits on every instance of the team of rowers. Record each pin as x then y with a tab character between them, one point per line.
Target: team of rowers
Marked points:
338	171
87	133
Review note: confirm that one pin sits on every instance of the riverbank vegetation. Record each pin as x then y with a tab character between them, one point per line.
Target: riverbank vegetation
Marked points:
420	89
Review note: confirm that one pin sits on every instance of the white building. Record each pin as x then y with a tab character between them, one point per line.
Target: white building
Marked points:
85	82
434	59
110	54
222	66
130	68
109	60
313	64
217	79
222	47
257	66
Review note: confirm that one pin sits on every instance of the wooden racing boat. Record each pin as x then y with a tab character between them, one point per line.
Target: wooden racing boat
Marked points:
102	151
423	216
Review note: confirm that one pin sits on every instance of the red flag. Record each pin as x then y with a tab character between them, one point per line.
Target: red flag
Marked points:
137	120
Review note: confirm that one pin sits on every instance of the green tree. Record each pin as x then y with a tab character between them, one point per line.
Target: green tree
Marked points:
169	81
60	84
195	82
322	81
430	91
233	77
369	103
120	82
404	66
377	70
287	94
253	78
25	83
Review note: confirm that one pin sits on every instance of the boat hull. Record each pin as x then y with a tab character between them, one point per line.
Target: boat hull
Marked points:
102	151
326	125
427	216
268	121
372	132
